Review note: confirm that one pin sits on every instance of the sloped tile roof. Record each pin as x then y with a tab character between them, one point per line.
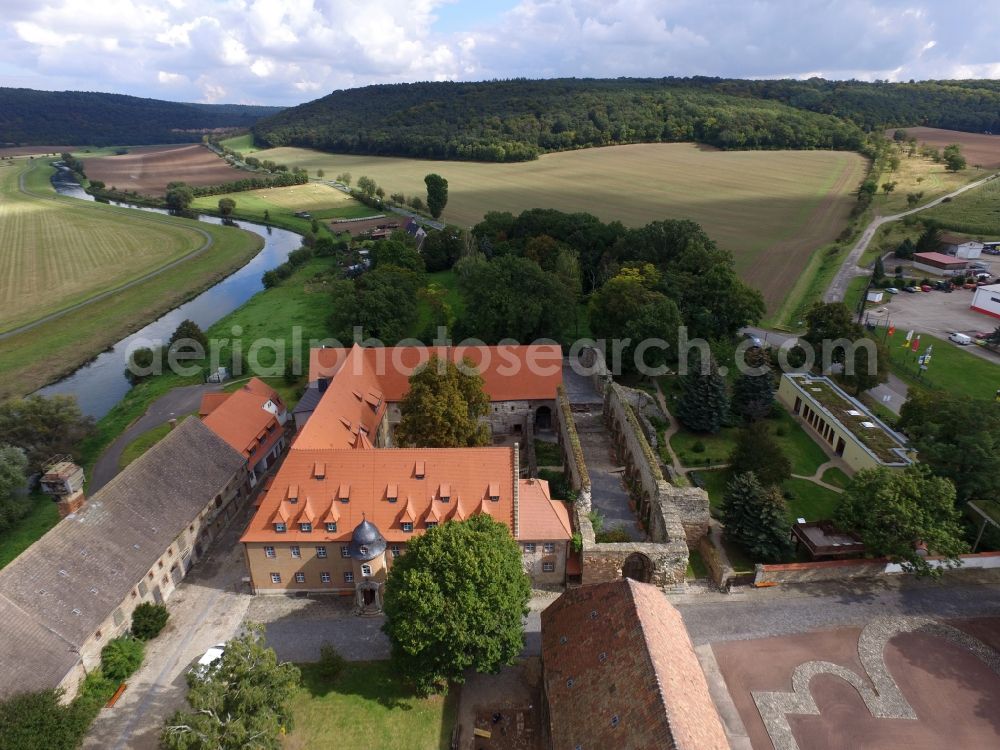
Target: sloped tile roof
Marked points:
241	418
620	671
510	373
539	516
71	579
468	471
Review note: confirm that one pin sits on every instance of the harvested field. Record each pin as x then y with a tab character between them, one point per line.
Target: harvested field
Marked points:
57	253
772	209
979	149
148	169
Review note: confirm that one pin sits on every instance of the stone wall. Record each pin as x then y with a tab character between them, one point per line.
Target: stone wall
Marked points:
593	360
534	562
504	417
831	570
569	440
667	512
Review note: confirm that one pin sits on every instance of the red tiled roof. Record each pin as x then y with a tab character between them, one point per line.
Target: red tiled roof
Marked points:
241	419
468	471
510	373
620	671
539	516
209	402
939	258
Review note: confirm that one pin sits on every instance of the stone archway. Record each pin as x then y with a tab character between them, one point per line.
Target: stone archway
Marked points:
638	567
543	418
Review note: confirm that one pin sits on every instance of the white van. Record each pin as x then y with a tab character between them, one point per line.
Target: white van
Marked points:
960	338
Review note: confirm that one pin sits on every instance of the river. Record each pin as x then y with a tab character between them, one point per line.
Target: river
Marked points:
101	383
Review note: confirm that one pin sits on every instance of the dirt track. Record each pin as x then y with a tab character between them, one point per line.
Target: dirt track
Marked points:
149	169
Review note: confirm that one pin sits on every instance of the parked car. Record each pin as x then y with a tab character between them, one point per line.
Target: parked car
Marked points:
209	658
892	290
960	338
753	339
910	289
981	335
925	287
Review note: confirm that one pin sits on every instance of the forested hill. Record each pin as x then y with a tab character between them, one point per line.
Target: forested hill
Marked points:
30	117
518	119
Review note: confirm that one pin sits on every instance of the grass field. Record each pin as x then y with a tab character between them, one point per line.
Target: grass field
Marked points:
978	148
917	174
44	514
321	201
772	209
976	212
42	354
950	369
242	143
59	252
367	707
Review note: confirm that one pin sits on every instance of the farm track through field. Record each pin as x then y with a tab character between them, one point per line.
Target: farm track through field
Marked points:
140	217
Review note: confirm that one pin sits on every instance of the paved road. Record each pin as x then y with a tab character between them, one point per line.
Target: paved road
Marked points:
204	610
141	216
783	610
175	403
849	269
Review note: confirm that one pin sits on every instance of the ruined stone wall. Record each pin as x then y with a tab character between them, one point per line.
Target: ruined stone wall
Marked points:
569	440
593	360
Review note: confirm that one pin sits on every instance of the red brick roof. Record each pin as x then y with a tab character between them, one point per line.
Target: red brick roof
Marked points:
539	516
939	259
241	419
620	672
367	477
510	373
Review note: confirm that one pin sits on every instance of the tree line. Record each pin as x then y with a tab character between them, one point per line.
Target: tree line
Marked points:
516	120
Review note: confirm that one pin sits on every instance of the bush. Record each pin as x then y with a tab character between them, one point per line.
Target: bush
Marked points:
576	544
698	447
781	430
148	620
331	663
121	657
612	536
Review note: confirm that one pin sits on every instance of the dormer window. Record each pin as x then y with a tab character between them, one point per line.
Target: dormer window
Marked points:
444	492
293	493
331	528
363	550
494	492
392	493
420	470
344	493
431	524
305	527
319	470
280	527
407	526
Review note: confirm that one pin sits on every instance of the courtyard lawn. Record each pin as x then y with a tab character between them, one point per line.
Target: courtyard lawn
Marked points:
696	565
367	706
809	500
696	449
951	368
547	453
44	514
836	477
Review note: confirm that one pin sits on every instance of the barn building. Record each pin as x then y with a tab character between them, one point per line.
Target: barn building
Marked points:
987	300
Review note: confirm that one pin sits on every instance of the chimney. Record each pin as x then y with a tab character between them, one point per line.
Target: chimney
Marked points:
517	490
71	503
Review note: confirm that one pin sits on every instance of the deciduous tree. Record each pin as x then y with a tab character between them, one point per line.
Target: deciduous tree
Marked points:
895	511
444	407
456	601
242	701
226	206
44	426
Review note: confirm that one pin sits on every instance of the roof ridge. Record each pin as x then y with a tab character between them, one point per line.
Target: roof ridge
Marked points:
633	587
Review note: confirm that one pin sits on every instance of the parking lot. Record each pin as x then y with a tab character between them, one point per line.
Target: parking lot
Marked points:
938	314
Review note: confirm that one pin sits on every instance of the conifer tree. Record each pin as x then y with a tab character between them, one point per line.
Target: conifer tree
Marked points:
757	451
753	394
755	517
704	404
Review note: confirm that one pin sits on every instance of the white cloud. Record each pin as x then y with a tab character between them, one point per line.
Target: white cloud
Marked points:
286	51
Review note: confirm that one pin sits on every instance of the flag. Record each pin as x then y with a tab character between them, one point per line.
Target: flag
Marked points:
927	354
909	337
916	343
892	330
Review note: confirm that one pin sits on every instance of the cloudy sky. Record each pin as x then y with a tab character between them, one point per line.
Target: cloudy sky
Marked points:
289	51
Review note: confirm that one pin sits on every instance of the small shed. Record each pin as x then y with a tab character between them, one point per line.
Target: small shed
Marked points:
823	541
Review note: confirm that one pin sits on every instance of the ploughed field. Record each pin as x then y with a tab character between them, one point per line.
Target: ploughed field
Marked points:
149	169
979	149
55	253
772	209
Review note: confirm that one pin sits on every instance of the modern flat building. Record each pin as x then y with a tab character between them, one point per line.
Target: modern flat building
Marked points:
842	424
345	503
75	589
987	300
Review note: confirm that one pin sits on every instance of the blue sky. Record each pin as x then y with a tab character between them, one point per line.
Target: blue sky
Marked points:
290	51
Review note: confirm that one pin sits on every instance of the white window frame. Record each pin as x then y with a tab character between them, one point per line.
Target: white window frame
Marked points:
320	551
344	551
549	547
548	567
324	577
407	526
348	577
366	570
296	551
395	550
275	577
300	577
529	548
270	552
280	527
305	528
331	528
